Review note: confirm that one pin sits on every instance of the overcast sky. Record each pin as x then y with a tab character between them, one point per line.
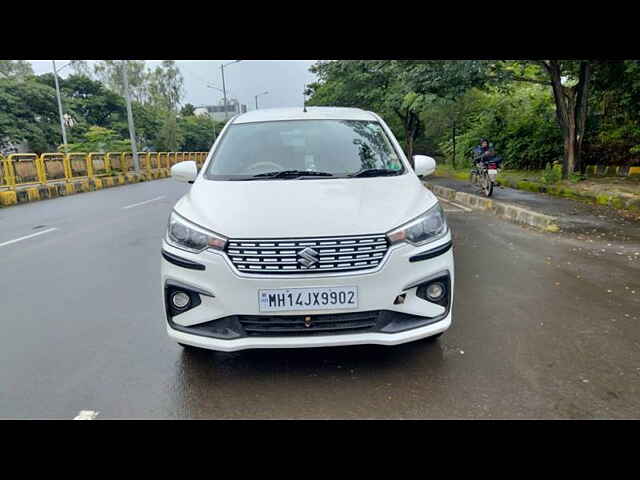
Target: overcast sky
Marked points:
283	79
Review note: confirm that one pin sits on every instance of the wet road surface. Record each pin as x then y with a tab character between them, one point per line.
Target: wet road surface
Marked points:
545	326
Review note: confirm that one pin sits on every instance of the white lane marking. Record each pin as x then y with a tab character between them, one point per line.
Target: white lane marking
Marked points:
27	236
142	203
466	209
86	415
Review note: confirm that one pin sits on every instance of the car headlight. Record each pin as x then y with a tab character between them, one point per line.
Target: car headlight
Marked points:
185	235
428	227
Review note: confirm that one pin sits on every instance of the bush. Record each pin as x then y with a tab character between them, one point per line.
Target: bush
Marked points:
552	173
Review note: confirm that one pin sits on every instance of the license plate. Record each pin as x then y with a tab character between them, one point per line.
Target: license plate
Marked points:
316	298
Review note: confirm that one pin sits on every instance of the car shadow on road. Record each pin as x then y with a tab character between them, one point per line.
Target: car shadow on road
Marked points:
331	382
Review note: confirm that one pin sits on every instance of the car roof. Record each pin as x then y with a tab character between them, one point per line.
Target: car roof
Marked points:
297	113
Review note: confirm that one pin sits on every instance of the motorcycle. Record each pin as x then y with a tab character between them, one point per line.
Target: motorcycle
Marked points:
484	174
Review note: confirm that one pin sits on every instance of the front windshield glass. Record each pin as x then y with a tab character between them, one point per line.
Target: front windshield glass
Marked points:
332	147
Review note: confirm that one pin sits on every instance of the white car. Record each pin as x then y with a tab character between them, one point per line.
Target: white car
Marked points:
306	229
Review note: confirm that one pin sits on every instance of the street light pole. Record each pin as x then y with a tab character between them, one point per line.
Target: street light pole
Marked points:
224	90
64	131
132	132
212	116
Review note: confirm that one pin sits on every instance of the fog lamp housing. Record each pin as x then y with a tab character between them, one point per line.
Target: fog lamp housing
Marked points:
436	290
180	300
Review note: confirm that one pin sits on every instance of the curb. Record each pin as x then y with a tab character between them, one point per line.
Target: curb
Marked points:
507	211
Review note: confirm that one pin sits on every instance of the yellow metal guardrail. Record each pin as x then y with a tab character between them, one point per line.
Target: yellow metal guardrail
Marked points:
3	169
23	169
77	165
98	164
54	166
163	159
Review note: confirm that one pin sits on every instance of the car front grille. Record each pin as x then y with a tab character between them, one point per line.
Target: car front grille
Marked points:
307	255
295	325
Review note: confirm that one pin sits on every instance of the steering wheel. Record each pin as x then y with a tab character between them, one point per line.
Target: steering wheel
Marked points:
266	166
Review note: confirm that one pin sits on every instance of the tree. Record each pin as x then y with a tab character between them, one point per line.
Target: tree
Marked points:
165	86
569	81
197	133
109	72
371	85
81	67
613	123
28	112
401	87
444	82
87	100
169	137
188	110
15	68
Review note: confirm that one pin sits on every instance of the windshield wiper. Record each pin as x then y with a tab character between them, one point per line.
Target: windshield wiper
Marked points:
292	174
375	172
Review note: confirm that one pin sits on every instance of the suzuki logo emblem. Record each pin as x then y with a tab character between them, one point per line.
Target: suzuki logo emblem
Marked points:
307	257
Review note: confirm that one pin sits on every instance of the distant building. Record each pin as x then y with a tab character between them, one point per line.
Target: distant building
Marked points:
217	111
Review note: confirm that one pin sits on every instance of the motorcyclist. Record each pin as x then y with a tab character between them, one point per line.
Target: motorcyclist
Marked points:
485	153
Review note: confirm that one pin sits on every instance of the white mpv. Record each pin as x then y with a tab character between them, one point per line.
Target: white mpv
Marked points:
306	229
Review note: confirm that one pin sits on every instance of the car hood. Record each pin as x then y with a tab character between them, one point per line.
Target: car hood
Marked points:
305	208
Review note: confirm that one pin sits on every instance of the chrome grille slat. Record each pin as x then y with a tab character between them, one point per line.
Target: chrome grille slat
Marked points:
334	254
379	242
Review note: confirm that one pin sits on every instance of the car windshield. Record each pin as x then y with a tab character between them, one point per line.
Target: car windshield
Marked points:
304	148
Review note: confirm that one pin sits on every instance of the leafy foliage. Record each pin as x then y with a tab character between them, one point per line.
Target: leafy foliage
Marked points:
197	133
99	139
15	69
552	173
28	112
94	102
514	103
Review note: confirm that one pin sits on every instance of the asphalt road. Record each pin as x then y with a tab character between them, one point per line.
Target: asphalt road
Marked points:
545	326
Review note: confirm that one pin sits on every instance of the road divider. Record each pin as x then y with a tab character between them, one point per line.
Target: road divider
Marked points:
28	177
507	211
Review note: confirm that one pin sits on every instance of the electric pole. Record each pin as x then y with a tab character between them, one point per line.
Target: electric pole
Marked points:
64	131
132	132
224	90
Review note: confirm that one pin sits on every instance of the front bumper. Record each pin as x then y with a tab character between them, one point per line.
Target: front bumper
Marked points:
315	341
226	294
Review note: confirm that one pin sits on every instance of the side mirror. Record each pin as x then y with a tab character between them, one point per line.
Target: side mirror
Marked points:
424	165
185	171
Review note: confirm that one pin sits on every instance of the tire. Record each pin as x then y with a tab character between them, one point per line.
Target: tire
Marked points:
487	185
